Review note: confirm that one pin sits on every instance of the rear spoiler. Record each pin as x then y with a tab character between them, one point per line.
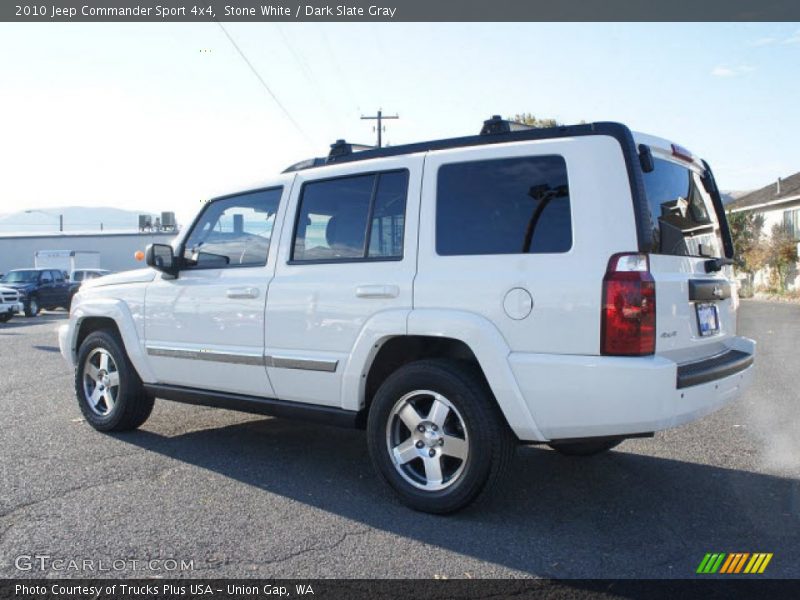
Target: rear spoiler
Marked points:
710	184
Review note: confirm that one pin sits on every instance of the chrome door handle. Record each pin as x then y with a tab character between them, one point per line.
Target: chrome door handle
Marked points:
377	291
243	292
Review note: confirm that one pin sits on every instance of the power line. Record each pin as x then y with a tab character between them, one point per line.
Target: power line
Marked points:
264	84
379	117
307	72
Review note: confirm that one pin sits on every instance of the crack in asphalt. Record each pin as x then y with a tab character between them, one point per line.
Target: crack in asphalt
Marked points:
63	494
288	556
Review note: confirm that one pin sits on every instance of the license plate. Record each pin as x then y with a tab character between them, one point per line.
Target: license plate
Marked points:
707	319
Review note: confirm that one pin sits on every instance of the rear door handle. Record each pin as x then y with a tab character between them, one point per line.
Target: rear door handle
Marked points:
377	291
242	292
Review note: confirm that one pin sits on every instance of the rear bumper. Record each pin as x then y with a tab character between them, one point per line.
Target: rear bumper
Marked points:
587	396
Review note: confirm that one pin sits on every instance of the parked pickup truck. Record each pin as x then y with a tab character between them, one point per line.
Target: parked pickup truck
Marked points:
38	289
9	303
567	286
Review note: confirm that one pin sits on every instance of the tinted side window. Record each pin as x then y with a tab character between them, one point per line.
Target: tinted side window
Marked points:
389	215
58	276
503	206
233	231
348	218
47	277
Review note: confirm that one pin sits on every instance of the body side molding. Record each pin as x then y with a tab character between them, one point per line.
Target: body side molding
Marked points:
263	406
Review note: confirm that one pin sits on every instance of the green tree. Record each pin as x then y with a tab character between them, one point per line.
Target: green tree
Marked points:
529	119
749	249
782	254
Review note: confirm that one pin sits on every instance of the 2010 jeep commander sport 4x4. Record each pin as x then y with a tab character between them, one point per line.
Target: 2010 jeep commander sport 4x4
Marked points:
568	286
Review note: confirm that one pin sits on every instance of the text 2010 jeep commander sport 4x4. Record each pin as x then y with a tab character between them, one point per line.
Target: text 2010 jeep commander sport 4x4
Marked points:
564	286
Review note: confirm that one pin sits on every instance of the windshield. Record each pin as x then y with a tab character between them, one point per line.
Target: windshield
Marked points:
21	277
684	220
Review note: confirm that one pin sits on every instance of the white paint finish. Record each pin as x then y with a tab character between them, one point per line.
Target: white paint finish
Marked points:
566	287
518	303
532	321
677	335
377	330
584	396
216	310
491	350
124	304
135	276
323	308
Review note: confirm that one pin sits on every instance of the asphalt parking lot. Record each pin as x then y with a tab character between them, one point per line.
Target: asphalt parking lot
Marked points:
243	495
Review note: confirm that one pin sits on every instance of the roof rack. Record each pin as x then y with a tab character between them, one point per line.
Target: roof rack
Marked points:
494	131
498	124
342	148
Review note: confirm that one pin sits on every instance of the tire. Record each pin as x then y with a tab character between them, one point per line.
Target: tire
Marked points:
5	317
587	448
464	433
32	307
105	405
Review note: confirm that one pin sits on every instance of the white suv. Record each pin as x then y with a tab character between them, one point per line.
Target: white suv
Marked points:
567	286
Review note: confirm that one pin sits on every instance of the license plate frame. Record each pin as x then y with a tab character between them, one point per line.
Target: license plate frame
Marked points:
707	318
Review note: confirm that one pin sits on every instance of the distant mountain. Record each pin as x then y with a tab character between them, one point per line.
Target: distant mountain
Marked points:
76	219
730	196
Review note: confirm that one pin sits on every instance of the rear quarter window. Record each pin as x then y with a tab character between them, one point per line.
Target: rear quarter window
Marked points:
503	206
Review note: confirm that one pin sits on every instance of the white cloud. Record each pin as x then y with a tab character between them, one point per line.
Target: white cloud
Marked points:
772	40
794	39
765	41
720	71
725	71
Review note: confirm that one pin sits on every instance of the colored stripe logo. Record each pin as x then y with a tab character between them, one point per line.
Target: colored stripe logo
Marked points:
733	563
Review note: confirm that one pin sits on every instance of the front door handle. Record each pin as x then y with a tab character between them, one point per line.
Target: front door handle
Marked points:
377	291
242	292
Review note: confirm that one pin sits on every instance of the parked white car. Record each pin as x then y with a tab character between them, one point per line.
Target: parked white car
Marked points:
9	303
567	286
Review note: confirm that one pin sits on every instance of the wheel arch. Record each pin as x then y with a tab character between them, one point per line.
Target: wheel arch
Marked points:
430	333
116	316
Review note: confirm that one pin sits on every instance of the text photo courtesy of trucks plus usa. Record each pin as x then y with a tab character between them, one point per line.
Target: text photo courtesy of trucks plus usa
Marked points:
311	328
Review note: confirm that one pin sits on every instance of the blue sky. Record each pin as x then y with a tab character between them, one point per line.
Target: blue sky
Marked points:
160	116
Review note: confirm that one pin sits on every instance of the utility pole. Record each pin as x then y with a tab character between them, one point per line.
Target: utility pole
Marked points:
379	117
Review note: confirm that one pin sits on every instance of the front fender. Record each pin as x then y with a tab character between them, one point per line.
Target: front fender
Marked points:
126	321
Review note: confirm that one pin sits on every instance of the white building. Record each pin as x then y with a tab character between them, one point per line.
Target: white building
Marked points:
116	249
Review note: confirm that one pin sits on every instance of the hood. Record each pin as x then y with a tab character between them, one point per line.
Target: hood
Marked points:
20	287
135	276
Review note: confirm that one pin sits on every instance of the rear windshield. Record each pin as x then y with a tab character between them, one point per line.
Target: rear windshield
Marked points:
684	220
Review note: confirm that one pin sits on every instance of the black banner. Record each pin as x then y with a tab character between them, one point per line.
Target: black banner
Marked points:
463	589
400	10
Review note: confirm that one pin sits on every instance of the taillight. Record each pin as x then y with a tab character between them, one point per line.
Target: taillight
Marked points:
628	325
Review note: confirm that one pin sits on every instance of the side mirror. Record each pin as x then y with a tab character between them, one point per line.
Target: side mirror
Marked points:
162	258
